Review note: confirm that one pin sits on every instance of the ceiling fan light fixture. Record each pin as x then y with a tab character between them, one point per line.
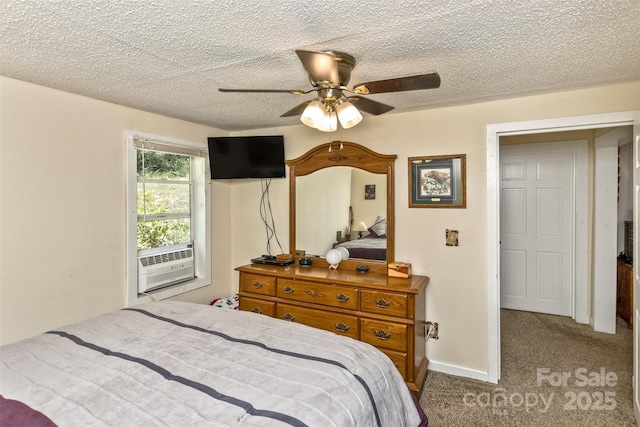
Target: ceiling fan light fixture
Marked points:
313	114
328	123
347	113
329	73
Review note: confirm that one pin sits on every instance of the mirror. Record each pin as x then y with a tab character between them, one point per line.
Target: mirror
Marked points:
335	207
342	197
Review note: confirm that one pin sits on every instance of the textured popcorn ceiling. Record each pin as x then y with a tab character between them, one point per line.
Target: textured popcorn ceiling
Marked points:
170	57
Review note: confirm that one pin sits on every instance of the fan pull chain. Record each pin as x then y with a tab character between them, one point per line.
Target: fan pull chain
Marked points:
330	141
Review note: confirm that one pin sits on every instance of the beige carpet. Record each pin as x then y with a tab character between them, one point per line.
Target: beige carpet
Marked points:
551	376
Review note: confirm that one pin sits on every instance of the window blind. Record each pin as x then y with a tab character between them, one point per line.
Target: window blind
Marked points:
169	147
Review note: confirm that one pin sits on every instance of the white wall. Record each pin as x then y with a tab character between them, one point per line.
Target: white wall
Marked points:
625	192
610	189
368	210
603	314
65	154
322	209
62	207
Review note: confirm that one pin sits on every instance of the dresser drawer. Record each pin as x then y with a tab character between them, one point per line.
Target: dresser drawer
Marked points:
257	284
341	324
398	359
332	295
389	335
258	306
388	303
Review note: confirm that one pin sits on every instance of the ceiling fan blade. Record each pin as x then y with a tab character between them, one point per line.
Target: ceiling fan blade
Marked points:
297	110
321	66
400	84
369	106
291	91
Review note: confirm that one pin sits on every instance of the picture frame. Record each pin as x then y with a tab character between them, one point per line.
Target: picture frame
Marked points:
370	192
438	181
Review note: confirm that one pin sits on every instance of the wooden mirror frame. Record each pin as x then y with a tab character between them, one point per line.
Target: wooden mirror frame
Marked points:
353	155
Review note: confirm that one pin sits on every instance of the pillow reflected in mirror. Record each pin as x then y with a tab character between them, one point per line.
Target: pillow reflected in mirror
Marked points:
379	227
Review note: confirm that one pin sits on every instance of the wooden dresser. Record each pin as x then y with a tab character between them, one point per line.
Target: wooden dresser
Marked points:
624	300
383	311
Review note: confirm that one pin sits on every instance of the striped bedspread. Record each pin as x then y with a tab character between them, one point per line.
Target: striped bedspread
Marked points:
366	248
183	364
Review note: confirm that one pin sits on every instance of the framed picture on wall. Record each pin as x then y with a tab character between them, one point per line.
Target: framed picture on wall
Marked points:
437	182
370	192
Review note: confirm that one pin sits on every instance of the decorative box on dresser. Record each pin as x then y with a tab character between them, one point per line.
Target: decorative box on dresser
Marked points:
386	312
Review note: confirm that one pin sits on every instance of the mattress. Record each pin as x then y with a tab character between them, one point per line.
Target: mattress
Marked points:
366	248
176	363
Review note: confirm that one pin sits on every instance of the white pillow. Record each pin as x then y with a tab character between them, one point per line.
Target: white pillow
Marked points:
379	227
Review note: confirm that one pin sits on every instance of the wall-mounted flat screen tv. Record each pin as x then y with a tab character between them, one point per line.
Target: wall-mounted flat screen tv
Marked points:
232	157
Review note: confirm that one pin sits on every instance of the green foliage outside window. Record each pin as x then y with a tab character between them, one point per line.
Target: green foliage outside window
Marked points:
158	165
168	194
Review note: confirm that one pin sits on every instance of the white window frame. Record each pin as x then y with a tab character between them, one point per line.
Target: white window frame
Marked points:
200	221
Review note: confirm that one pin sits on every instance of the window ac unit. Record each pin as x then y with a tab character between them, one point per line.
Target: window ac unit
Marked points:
165	269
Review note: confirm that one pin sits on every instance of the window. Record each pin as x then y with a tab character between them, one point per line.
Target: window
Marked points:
167	209
163	198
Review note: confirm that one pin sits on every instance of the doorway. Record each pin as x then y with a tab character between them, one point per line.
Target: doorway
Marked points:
494	132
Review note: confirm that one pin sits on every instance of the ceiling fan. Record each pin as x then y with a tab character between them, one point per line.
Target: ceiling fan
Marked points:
329	73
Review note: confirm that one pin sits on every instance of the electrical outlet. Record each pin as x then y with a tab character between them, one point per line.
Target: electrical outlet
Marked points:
431	330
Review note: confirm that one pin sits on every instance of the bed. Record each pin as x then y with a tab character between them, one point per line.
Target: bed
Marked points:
373	245
176	363
367	247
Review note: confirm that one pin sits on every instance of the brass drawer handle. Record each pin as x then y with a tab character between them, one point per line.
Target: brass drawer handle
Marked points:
288	316
382	303
382	335
288	290
257	310
341	327
258	285
342	298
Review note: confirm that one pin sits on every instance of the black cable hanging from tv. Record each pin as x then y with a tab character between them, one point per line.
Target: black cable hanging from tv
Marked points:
267	215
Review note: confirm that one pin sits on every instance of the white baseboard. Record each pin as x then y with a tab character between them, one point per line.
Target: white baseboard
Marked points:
458	371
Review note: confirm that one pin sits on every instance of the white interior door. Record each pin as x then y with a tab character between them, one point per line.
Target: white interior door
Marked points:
536	230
